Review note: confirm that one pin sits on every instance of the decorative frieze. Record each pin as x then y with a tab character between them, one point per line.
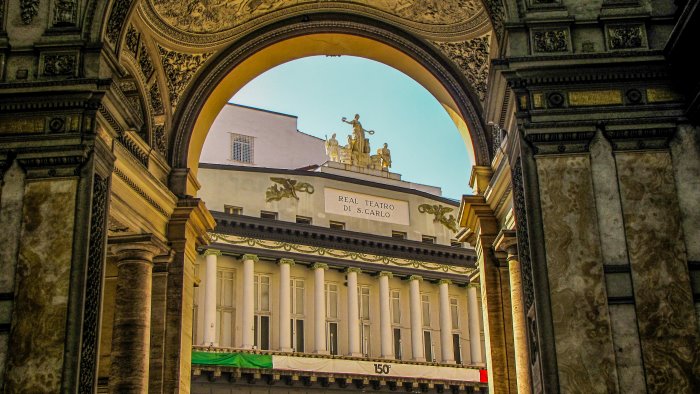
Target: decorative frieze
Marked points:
639	139
550	40
156	99
115	22
627	36
135	187
144	61
65	13
131	41
179	69
553	143
28	9
472	57
289	189
439	211
59	64
595	97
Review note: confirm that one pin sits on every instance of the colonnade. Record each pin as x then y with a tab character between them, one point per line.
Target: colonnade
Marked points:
353	311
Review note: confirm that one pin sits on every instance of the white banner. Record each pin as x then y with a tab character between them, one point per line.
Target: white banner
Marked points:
365	206
389	369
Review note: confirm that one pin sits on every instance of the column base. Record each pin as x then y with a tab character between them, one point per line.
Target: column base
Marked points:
389	357
355	355
210	344
419	359
287	350
449	362
326	352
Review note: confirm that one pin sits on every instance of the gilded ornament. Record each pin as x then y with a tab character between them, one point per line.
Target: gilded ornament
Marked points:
439	212
290	187
662	95
595	97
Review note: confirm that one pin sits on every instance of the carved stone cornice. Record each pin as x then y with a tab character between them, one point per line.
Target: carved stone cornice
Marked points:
135	187
58	161
639	139
476	215
314	236
507	241
189	225
558	143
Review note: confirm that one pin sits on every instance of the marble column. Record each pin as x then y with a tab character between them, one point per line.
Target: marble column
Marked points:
320	307
211	256
474	327
385	315
131	337
508	243
285	337
416	318
248	313
446	345
353	314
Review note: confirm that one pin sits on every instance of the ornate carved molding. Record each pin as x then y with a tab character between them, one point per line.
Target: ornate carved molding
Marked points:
156	99
93	286
140	192
63	64
639	139
497	13
133	147
160	140
65	13
550	40
626	36
131	40
28	9
179	69
145	62
472	57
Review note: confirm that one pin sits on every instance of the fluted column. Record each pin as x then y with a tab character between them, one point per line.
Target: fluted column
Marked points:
353	314
248	313
211	256
131	336
474	328
385	315
416	318
446	344
320	307
285	305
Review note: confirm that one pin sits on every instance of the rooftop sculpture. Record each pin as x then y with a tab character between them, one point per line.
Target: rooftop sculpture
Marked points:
357	152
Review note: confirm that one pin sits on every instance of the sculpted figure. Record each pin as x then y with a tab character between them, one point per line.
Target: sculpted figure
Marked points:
332	149
359	141
385	155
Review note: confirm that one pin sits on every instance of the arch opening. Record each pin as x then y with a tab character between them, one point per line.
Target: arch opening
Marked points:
253	56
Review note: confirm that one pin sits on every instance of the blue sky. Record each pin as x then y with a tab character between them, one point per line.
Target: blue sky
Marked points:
425	144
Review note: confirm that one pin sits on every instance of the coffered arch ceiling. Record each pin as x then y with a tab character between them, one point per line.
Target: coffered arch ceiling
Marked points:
179	40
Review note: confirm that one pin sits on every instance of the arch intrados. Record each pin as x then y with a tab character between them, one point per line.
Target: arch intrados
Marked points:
261	51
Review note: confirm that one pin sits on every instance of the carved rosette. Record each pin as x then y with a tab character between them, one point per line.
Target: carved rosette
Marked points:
179	69
472	57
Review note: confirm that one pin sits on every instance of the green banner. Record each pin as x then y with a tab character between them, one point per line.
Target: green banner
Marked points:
242	360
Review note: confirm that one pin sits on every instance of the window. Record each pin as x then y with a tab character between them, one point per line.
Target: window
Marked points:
398	351
454	311
365	337
425	303
395	307
331	301
428	346
332	337
242	148
296	287
364	302
428	239
261	301
337	225
398	234
303	220
456	243
232	210
268	215
457	346
225	311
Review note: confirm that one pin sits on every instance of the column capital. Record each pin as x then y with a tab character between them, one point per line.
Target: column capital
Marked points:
507	241
286	261
415	277
212	252
137	247
353	269
248	256
322	266
444	282
386	273
475	285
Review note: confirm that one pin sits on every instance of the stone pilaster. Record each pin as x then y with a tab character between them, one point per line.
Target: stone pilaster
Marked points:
159	297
